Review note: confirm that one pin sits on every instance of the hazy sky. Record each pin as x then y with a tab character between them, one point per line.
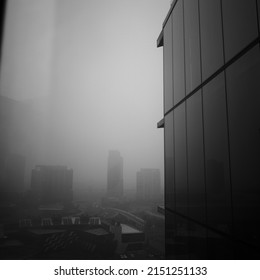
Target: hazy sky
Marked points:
97	63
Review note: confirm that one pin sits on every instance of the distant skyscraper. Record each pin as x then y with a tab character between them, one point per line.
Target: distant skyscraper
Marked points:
148	184
115	174
12	144
6	116
52	184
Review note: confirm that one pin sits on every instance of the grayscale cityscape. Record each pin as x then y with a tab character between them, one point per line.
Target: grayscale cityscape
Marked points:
129	130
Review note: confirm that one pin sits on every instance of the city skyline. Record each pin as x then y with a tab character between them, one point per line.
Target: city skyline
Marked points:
84	71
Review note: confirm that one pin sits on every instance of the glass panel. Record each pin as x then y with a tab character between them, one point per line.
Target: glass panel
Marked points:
243	87
170	224
192	45
197	241
188	240
211	37
219	247
181	239
169	163
216	154
167	63
197	199
240	25
178	53
258	4
181	188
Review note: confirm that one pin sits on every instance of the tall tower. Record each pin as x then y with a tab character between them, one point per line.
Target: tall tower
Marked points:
115	174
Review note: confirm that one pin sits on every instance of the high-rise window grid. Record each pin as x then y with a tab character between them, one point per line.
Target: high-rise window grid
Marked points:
211	123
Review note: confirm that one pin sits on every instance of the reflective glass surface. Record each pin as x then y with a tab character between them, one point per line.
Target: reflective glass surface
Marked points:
243	87
167	64
192	45
211	37
240	25
181	187
258	5
178	53
197	198
216	155
169	162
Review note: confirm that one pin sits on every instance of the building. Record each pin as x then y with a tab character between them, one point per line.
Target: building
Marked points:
52	184
12	147
129	239
211	126
115	174
148	182
49	239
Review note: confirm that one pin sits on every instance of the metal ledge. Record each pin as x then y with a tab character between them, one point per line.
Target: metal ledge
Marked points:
160	124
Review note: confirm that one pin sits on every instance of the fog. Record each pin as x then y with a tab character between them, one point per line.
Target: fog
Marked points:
88	77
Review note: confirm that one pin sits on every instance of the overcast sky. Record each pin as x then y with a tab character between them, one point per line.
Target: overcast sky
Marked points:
97	63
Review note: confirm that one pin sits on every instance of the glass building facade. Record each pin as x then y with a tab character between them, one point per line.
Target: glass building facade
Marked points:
211	58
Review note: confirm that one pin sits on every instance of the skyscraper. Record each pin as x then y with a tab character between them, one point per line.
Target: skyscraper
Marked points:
115	174
12	145
148	183
211	129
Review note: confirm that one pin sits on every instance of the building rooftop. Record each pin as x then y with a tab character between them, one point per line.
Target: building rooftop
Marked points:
126	229
97	231
45	231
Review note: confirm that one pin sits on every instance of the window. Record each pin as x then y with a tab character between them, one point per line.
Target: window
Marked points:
197	199
181	186
217	155
192	45
167	62
240	25
243	86
258	5
169	162
178	53
211	37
